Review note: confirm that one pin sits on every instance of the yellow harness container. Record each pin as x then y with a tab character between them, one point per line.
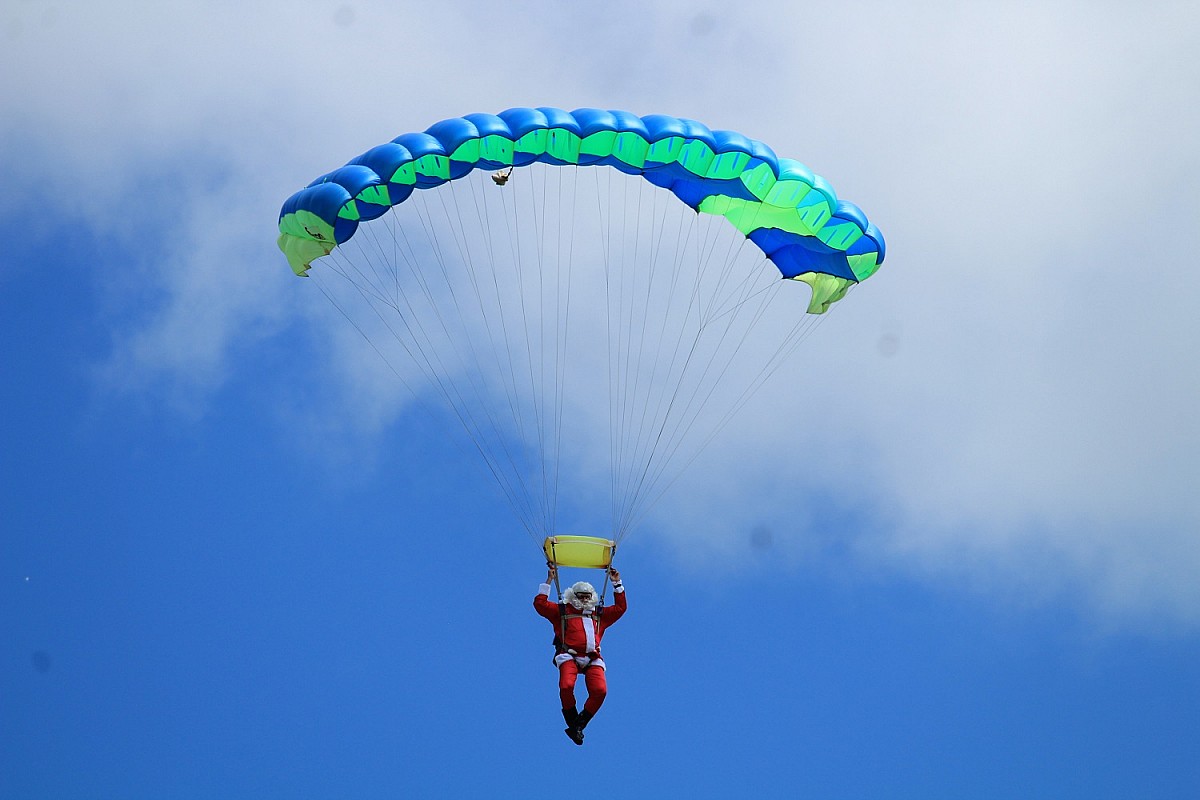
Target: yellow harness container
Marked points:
586	552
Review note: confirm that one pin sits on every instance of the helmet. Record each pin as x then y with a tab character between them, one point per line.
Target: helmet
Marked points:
582	596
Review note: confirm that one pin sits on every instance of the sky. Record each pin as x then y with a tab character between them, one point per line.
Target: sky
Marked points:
949	550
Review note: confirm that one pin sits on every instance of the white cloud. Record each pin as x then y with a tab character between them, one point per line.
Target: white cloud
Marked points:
1011	396
1034	425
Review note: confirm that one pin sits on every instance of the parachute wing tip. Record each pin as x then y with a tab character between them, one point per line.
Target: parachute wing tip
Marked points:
302	251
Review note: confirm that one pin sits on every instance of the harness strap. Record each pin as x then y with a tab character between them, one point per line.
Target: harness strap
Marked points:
560	644
560	641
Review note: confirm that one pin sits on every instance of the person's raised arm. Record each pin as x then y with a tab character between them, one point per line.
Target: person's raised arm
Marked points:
541	602
619	601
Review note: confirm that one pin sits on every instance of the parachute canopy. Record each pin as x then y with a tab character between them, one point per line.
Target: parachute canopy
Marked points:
792	215
560	311
587	552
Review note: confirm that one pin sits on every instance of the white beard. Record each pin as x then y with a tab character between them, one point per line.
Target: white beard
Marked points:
579	605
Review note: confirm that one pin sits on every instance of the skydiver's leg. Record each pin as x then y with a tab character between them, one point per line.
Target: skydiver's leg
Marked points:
568	671
597	686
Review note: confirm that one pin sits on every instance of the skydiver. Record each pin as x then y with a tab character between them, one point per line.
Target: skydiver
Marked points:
579	623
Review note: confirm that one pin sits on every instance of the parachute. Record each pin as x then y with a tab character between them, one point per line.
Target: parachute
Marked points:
553	307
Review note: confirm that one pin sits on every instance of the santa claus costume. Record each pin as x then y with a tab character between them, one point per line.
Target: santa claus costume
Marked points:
579	624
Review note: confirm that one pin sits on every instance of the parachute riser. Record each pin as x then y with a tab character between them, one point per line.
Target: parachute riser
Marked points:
578	552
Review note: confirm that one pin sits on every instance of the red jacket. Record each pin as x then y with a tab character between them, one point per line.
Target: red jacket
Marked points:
583	631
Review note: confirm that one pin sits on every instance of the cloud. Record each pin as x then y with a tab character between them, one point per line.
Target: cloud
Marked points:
1006	404
1028	421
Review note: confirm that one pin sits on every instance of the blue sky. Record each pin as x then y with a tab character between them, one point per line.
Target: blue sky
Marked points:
235	561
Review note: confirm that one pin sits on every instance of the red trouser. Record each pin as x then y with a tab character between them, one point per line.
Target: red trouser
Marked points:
597	685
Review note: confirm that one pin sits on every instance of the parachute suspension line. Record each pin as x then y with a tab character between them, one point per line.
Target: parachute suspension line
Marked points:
333	301
618	352
477	285
424	368
537	394
541	425
561	311
537	373
787	346
377	281
519	262
615	284
626	277
605	254
561	339
635	354
705	385
700	330
548	345
636	440
496	356
633	396
661	427
803	328
342	266
688	416
506	377
522	353
456	398
473	372
636	432
724	277
741	298
624	391
547	348
668	440
514	248
675	374
537	379
543	307
682	238
374	291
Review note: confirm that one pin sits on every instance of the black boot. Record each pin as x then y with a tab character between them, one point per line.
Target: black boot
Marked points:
582	719
574	729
